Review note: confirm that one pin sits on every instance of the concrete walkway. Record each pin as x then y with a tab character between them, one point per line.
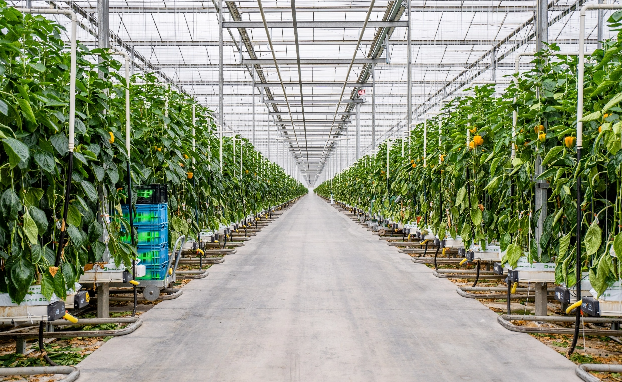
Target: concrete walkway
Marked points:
315	297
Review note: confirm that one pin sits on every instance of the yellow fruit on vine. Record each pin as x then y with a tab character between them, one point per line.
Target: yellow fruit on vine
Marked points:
159	148
478	140
542	137
606	115
471	145
185	156
538	129
473	130
481	207
190	175
600	129
569	141
443	157
111	140
414	165
181	164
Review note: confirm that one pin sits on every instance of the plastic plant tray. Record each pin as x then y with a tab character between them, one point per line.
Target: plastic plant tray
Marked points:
151	255
155	272
149	235
147	214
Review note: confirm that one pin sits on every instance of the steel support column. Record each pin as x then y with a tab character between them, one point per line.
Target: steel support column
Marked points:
409	105
601	19
373	107
541	196
221	80
358	131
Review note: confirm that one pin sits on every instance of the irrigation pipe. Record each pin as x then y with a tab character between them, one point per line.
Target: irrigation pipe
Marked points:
72	372
504	320
500	296
161	297
582	371
468	276
134	323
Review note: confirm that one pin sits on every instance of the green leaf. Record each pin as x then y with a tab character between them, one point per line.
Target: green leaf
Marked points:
22	275
564	243
89	190
75	235
4	108
512	254
59	285
476	216
47	285
493	183
26	110
552	154
95	231
37	66
593	238
10	204
99	172
612	102
99	250
517	162
16	150
69	274
592	116
45	161
36	253
33	196
558	215
40	219
460	196
74	217
60	143
617	246
30	229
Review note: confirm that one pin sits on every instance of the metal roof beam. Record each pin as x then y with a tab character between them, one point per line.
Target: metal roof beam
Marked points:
314	24
468	42
311	113
304	84
314	61
441	8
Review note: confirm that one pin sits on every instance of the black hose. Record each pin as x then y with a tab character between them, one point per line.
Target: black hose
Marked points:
42	348
578	277
133	241
477	267
63	227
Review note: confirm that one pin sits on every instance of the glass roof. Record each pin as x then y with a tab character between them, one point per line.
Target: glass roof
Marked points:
300	102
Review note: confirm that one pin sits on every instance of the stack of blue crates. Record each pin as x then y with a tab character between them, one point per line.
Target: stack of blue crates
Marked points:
151	226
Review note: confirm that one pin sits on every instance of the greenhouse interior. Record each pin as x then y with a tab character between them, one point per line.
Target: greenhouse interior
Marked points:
402	190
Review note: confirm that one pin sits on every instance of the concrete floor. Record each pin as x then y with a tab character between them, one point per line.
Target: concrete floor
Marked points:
315	297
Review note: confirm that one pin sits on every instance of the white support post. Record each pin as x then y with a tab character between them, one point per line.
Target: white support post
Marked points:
425	143
358	131
221	113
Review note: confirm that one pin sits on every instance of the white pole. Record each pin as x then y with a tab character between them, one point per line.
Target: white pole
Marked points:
425	143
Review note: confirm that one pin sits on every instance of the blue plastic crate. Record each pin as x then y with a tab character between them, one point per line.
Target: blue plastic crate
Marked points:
149	235
153	254
155	272
147	214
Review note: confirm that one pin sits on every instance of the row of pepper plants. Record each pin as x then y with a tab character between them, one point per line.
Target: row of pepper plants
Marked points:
34	114
472	186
